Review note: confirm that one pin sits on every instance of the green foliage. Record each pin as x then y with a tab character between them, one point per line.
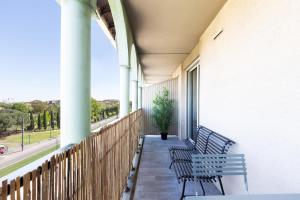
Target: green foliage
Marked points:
22	107
5	105
45	122
39	122
95	110
52	107
9	117
31	125
6	121
38	106
35	137
104	109
163	110
52	123
58	119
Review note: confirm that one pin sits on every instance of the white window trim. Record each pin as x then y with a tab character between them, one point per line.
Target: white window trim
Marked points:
195	64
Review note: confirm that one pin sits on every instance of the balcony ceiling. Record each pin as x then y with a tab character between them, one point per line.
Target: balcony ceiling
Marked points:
106	15
166	31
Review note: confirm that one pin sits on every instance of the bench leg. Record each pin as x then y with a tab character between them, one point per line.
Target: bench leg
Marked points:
183	189
171	164
221	185
202	188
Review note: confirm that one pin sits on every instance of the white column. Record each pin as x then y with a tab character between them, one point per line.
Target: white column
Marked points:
140	97
75	70
124	90
134	95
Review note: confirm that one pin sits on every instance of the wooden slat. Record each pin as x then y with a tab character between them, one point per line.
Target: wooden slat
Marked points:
18	188
4	190
51	179
45	184
97	168
59	192
56	177
64	177
38	183
33	194
12	190
26	187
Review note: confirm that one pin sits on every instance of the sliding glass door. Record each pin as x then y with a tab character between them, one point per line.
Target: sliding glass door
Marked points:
192	102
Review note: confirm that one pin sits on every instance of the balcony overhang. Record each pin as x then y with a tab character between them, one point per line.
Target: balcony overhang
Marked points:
106	15
165	32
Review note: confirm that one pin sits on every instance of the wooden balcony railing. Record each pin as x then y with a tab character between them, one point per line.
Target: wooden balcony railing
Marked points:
97	168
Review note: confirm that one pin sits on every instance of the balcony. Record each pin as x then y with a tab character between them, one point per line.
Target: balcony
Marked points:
232	66
118	162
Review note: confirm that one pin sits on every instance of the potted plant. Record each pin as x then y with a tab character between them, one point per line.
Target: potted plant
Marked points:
162	112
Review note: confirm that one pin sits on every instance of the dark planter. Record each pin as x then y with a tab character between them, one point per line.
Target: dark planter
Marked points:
164	136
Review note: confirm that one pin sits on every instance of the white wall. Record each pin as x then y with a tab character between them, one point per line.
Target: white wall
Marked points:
250	89
149	93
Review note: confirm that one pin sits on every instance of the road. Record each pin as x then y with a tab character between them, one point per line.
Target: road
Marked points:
99	124
29	150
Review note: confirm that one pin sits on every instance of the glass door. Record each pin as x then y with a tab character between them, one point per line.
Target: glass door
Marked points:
192	94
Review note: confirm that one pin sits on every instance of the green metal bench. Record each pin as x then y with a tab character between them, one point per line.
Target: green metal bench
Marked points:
207	141
207	167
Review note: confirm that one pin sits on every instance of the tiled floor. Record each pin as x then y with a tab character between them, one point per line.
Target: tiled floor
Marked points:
155	180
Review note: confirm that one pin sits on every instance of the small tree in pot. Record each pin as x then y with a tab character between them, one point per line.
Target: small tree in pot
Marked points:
162	112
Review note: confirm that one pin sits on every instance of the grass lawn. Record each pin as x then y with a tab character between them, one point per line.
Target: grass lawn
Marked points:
35	137
13	167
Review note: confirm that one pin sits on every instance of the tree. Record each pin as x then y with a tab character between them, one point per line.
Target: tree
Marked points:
6	121
52	123
38	106
5	105
9	117
39	122
31	126
22	107
58	119
95	110
45	120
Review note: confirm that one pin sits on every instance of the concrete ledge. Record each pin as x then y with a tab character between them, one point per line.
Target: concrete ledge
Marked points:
131	181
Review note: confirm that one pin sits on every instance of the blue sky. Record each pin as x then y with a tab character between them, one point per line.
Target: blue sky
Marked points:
30	53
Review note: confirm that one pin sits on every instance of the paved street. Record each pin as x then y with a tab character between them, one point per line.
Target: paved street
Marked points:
32	149
29	150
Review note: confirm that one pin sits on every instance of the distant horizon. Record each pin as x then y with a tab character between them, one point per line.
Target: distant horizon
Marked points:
28	101
30	54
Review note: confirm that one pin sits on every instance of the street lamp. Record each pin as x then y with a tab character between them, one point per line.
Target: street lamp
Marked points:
22	144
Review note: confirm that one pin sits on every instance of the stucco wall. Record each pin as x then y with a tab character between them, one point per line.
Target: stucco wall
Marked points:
250	89
149	94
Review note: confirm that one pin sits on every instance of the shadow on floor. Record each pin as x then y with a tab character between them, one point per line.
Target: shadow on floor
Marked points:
155	180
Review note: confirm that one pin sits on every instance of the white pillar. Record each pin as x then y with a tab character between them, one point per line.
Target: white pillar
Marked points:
134	95
75	70
140	97
124	90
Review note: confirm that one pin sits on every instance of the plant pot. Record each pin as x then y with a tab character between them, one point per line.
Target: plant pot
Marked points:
164	136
